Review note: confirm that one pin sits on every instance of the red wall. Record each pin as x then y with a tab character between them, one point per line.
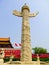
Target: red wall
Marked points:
16	53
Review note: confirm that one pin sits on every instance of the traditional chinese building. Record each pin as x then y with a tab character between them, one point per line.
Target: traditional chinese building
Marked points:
5	43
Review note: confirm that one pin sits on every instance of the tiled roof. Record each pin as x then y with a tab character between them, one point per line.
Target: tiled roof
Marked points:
4	39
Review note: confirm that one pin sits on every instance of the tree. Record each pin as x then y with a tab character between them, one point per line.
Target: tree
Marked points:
39	50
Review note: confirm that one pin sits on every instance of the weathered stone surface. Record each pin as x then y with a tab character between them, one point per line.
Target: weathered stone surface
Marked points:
26	55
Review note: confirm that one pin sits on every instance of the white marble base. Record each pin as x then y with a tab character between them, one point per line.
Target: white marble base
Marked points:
24	63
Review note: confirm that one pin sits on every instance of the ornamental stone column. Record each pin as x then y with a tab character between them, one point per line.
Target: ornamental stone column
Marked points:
26	54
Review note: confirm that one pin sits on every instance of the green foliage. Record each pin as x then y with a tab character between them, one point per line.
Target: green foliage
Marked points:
44	59
15	59
6	59
41	59
39	50
34	59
